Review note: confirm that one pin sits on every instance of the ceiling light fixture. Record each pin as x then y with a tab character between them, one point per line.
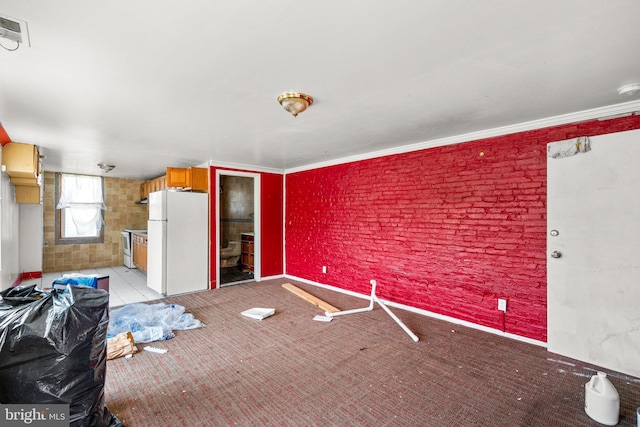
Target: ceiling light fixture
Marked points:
630	89
105	167
295	102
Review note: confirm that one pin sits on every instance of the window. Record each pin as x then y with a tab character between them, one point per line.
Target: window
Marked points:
79	207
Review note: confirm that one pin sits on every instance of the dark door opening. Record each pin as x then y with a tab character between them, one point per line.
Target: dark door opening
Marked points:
236	229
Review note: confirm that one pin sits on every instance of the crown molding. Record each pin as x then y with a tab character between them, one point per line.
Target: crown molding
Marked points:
601	113
242	167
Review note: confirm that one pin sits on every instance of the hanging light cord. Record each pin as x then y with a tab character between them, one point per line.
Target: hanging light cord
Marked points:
11	50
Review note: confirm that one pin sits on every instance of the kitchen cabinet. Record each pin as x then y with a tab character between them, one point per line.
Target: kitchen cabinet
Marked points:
157	184
22	163
198	179
144	190
136	249
194	179
21	160
160	183
247	253
176	177
153	185
140	251
27	194
25	182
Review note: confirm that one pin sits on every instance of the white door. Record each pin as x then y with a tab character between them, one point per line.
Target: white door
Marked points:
593	229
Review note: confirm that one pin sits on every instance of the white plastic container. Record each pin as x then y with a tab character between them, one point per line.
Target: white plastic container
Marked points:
601	400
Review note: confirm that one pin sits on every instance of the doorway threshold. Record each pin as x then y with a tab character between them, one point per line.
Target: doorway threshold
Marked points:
223	285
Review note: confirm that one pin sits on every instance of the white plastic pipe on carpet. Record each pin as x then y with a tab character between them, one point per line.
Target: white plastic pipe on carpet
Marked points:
374	298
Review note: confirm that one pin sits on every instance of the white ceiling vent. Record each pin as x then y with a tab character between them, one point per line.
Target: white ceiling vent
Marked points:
14	29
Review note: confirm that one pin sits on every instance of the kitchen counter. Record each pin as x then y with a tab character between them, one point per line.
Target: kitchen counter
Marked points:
139	232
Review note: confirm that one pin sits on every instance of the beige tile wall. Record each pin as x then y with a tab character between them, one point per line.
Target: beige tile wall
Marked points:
233	230
122	212
236	202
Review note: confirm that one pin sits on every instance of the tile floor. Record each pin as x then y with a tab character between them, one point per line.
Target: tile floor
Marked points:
125	285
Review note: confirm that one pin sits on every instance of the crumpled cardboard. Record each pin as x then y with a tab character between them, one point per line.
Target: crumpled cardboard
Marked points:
120	345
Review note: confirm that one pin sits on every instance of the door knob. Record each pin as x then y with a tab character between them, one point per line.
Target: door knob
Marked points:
556	254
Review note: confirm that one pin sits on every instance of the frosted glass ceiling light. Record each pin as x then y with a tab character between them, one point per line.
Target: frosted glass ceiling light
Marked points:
629	89
295	102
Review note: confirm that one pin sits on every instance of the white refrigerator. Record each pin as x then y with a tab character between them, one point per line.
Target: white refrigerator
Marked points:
178	242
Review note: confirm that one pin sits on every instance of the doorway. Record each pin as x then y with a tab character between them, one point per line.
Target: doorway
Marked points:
238	231
593	242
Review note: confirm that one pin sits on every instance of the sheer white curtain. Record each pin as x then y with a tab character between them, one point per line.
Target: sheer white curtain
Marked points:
82	202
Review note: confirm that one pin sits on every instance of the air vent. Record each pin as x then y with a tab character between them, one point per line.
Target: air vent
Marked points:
14	29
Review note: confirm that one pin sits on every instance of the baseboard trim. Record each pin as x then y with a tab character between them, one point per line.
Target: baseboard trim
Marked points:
423	312
279	276
31	275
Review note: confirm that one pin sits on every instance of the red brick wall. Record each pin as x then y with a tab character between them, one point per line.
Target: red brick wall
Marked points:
448	229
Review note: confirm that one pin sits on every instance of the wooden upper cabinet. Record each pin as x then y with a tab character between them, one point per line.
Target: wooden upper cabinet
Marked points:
21	160
195	179
22	164
27	194
144	190
176	177
26	182
198	179
157	184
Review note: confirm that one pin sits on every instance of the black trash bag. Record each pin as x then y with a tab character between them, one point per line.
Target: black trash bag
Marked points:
20	295
53	350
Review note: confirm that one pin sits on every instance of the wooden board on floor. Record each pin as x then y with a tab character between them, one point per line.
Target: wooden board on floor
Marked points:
310	298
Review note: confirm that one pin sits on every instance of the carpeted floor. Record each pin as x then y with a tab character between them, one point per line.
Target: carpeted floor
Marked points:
358	370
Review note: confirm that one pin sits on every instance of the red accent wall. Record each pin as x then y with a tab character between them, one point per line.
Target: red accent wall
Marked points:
4	137
448	229
271	224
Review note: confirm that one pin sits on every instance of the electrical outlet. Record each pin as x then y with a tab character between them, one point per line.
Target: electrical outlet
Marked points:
324	269
502	304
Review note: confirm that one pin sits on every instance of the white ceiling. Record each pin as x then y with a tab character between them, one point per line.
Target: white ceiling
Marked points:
145	84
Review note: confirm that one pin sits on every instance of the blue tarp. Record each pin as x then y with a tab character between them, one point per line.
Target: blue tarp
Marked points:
150	322
90	281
